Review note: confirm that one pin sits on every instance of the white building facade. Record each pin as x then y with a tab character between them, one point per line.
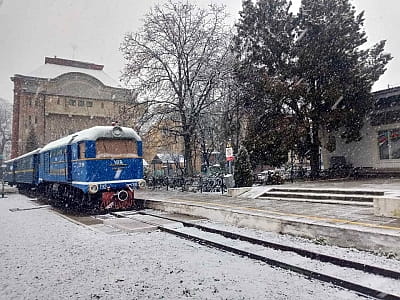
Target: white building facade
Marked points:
379	148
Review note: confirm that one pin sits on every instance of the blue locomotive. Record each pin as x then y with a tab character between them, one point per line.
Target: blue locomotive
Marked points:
99	167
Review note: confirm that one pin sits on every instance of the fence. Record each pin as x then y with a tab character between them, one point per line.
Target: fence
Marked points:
191	184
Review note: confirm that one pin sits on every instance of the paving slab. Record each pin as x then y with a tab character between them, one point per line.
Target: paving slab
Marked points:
129	225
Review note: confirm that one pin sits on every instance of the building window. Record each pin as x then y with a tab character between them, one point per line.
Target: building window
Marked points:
89	103
331	144
30	119
58	101
72	102
81	103
35	119
102	105
389	144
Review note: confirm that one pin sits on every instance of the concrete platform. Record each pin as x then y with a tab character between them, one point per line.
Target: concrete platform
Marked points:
343	225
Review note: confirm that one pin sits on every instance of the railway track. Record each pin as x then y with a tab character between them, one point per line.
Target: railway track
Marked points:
347	274
364	279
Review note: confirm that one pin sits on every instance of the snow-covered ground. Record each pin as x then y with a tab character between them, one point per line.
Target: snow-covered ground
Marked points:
44	256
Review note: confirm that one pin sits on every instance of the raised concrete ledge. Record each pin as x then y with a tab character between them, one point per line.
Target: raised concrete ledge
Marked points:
342	234
342	202
9	189
234	192
387	207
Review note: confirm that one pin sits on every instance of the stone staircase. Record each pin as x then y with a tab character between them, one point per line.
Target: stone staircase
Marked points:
330	196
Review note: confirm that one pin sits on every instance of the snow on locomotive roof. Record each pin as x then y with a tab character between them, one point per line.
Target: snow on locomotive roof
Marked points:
23	155
92	134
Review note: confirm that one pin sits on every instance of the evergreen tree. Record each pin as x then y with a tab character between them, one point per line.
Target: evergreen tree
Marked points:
31	141
310	70
263	44
338	74
266	147
243	171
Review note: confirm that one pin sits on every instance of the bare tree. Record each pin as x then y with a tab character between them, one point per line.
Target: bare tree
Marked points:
176	62
5	125
221	124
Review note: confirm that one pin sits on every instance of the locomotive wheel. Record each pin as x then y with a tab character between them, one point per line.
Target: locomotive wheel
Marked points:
69	195
87	202
83	201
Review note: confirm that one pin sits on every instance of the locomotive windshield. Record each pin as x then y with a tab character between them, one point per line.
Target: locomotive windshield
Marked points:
116	147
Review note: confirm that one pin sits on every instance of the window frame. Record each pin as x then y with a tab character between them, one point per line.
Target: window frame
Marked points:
103	146
81	150
71	102
389	144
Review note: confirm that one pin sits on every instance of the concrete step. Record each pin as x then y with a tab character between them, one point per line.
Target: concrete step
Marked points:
326	201
330	191
319	196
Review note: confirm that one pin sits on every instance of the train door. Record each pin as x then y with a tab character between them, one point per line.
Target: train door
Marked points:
35	168
46	165
68	159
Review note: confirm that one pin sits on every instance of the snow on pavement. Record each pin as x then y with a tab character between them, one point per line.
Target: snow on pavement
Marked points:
44	256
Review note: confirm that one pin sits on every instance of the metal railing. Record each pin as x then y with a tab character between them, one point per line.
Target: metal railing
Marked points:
213	184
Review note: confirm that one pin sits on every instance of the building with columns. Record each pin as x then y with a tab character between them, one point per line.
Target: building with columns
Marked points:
61	97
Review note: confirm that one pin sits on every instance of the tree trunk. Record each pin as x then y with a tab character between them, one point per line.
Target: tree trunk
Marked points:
314	151
188	155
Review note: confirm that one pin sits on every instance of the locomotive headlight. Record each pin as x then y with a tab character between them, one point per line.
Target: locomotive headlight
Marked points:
122	195
117	131
142	183
93	188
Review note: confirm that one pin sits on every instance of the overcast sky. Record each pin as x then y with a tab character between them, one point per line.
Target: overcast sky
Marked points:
92	30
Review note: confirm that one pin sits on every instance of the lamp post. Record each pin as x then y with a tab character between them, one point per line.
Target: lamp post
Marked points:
204	163
3	167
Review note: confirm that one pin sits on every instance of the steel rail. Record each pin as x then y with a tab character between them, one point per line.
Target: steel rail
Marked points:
363	290
352	286
366	291
303	252
29	208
